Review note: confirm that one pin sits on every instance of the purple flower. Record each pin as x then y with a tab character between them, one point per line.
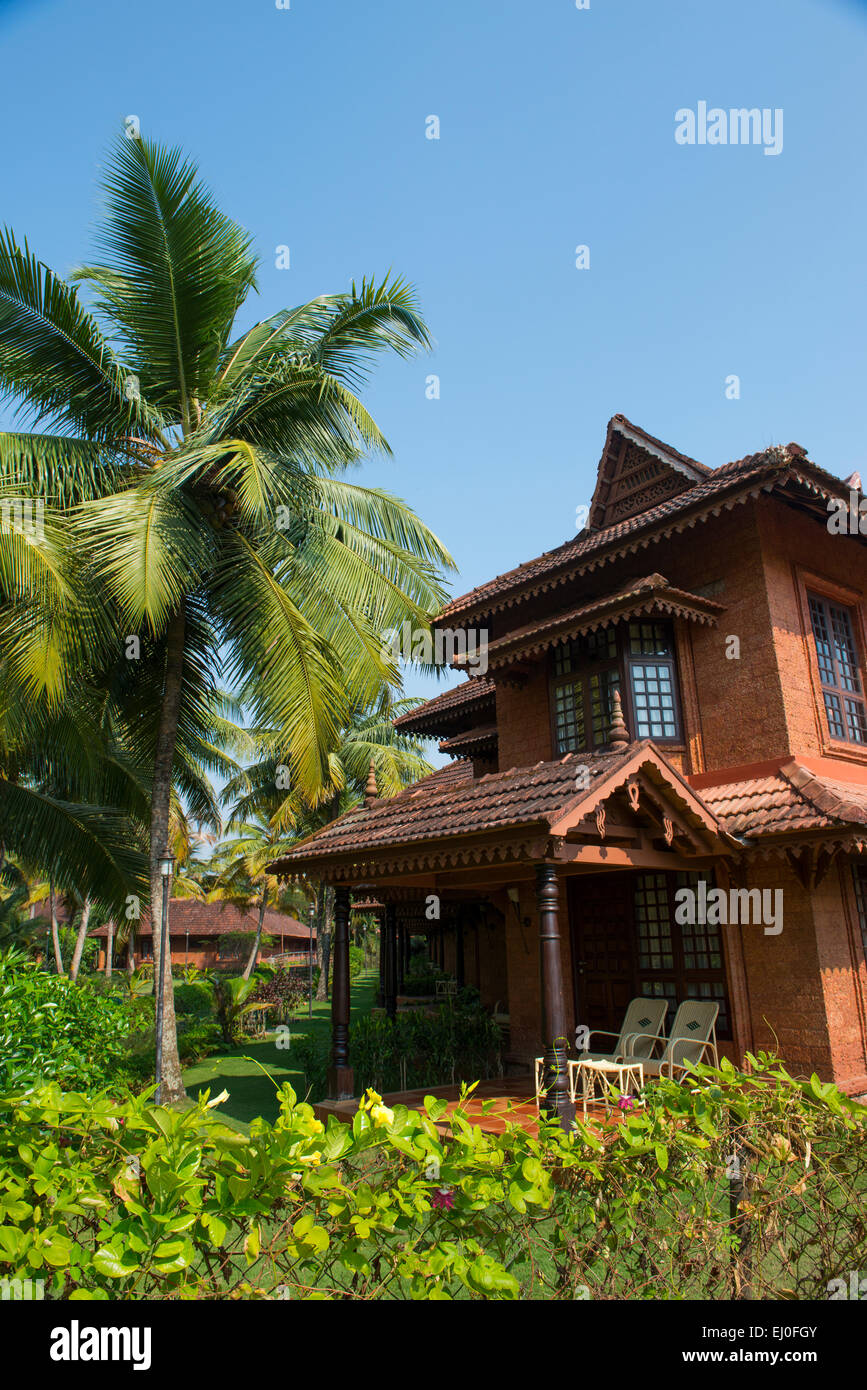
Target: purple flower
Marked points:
443	1198
626	1103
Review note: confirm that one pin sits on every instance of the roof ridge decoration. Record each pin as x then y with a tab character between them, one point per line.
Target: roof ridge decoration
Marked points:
708	493
635	472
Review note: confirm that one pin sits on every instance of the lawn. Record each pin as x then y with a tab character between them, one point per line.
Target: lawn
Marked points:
239	1070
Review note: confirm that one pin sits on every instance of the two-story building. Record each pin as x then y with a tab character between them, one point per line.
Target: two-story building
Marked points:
674	700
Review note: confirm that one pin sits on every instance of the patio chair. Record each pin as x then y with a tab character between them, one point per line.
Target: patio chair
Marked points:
642	1016
693	1033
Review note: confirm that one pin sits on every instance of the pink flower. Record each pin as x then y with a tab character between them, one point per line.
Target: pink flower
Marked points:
443	1198
626	1103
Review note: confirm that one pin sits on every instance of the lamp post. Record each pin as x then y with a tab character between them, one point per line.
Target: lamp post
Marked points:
312	914
167	864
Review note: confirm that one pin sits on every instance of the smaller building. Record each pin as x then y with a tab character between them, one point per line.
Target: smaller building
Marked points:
215	934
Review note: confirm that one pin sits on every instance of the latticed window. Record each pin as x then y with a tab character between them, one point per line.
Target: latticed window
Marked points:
677	961
635	658
839	670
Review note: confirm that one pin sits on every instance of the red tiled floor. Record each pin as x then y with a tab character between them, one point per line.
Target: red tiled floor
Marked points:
492	1106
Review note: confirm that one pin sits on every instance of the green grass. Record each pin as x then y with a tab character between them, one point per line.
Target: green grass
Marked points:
251	1092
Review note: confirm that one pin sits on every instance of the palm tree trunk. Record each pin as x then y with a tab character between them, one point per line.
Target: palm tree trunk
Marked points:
251	963
80	940
109	948
55	934
172	1082
325	899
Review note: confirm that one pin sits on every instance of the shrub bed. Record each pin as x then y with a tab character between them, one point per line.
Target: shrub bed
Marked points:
129	1201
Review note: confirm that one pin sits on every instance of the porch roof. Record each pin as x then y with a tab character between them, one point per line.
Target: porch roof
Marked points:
550	799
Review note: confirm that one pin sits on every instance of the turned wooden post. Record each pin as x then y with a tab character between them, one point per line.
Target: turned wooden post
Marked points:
555	1079
340	1077
380	918
459	948
391	960
401	957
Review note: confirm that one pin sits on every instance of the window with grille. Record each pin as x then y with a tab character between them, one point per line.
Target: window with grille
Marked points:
839	669
677	961
638	660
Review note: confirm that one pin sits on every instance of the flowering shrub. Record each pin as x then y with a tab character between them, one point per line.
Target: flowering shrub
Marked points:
105	1200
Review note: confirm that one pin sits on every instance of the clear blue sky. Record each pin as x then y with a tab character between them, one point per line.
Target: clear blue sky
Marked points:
557	129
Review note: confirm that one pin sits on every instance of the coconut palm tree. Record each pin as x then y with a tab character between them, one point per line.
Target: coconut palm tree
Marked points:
208	466
369	738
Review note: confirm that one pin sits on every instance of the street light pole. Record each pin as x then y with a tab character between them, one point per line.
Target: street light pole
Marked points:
167	864
310	963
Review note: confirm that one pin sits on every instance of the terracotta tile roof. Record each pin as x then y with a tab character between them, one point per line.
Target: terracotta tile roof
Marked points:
538	795
486	735
588	548
218	919
463	701
709	490
653	594
791	800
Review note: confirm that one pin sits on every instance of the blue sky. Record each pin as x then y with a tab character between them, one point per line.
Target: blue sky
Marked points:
556	129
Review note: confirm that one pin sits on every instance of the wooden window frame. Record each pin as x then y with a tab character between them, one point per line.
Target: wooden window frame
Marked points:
678	972
808	582
622	662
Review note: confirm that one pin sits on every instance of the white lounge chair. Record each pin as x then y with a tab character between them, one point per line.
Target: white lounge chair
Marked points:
693	1033
642	1016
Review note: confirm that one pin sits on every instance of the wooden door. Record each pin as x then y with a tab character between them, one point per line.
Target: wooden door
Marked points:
601	912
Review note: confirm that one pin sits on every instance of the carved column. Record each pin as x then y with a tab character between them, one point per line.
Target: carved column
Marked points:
554	1077
340	1078
391	960
380	921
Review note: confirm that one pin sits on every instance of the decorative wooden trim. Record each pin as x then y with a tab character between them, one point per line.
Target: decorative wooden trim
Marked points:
807	581
689	701
857	953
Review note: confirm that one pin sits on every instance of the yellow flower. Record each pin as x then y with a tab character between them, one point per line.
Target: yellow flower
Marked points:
381	1115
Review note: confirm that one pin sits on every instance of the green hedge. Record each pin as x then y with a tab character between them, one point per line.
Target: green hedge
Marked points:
54	1029
111	1201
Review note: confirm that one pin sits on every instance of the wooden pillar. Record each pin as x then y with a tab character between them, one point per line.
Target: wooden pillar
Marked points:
381	925
340	1077
459	947
391	960
401	957
554	1077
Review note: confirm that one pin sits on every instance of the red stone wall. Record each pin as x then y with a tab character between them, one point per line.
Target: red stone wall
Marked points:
524	721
